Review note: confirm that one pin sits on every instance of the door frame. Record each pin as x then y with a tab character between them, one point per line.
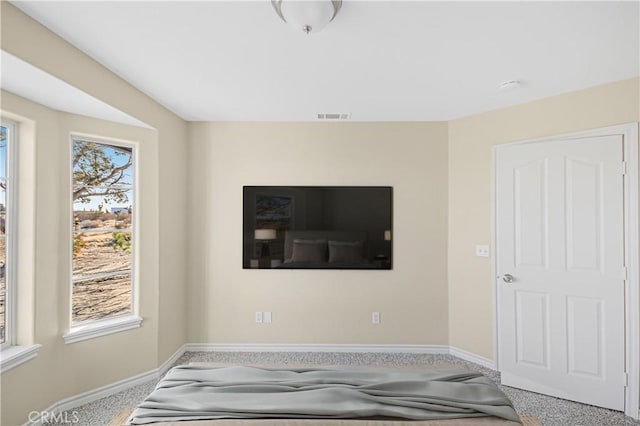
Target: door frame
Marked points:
629	133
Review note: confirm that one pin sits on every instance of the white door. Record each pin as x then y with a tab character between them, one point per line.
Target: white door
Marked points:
559	223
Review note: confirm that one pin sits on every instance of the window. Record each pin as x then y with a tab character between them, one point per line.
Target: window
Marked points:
15	351
103	232
7	240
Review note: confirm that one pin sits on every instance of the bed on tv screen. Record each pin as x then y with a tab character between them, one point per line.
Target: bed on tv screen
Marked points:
317	227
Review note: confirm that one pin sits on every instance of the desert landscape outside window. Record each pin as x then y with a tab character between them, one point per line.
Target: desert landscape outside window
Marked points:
5	138
103	233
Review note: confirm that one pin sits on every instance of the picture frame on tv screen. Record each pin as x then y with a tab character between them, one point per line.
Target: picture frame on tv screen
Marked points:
317	227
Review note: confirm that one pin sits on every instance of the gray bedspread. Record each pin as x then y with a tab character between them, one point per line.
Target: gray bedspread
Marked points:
205	393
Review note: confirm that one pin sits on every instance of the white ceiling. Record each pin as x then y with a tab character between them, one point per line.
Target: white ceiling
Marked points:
379	61
24	79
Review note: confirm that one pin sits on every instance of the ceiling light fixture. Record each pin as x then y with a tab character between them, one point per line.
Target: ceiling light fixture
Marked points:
307	15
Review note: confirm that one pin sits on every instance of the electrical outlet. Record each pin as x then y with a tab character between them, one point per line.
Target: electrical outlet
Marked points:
375	317
259	317
482	251
266	316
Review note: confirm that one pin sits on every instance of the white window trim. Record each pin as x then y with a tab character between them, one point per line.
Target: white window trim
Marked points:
10	230
91	329
16	355
12	355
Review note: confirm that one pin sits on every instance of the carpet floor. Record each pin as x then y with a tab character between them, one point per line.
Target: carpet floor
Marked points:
548	410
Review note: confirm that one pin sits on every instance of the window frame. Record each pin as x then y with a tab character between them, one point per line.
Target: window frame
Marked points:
13	352
88	329
10	235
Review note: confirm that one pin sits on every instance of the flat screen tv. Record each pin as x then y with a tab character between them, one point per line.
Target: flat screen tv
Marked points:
317	227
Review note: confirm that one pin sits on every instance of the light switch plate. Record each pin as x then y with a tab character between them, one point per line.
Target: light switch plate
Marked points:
266	317
259	317
482	251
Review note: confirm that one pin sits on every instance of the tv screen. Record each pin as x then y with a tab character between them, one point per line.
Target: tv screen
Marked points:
317	227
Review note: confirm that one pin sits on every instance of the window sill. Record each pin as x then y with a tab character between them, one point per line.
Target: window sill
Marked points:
16	355
93	329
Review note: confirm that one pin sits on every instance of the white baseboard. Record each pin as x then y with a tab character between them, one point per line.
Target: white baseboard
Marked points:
94	394
268	347
107	390
104	391
312	347
172	359
471	357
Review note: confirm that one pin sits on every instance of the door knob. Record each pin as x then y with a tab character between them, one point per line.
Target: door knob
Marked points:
507	278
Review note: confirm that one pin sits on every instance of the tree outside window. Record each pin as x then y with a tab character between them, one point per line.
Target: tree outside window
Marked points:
4	134
103	235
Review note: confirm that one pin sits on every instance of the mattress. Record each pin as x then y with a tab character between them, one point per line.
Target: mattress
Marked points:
313	396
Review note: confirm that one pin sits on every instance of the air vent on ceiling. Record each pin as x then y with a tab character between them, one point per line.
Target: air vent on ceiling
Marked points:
334	116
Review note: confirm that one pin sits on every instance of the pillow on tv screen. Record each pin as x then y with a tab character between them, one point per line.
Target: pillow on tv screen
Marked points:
312	251
345	252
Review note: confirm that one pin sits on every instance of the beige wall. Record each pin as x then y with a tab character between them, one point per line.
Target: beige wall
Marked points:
471	139
28	40
56	370
318	306
61	371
